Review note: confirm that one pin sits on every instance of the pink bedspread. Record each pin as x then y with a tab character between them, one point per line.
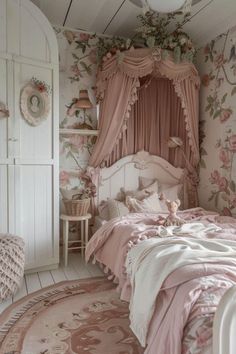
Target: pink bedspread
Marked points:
186	303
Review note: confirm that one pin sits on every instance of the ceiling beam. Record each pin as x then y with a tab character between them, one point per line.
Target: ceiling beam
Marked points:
114	16
67	12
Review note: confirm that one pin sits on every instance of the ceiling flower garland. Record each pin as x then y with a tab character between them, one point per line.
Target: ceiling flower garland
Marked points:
154	31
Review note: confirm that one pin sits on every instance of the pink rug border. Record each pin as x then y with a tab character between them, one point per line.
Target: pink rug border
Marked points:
6	312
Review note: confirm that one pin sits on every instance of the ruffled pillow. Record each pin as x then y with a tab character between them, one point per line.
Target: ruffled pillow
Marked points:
103	210
145	182
140	193
116	208
171	192
150	204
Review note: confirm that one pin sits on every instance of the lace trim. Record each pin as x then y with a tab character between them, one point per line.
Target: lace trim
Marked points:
165	67
133	98
186	115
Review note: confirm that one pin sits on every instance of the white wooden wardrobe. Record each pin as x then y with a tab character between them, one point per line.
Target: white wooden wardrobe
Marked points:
29	190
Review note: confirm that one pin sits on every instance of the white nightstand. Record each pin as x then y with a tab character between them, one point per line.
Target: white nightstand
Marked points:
83	233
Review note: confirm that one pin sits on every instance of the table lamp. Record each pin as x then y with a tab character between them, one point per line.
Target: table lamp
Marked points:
84	102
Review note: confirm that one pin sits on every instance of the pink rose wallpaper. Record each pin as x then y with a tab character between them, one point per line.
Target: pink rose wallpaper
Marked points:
78	66
216	63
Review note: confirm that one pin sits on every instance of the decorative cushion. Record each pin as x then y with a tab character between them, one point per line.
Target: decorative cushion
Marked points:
147	183
116	208
12	259
103	210
149	204
138	194
144	190
170	192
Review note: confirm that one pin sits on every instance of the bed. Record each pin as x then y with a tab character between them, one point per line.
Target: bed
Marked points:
181	288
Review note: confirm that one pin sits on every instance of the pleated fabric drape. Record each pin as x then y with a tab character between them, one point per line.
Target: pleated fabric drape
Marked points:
136	117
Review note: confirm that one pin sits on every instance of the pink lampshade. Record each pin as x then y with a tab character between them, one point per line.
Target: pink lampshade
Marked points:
84	101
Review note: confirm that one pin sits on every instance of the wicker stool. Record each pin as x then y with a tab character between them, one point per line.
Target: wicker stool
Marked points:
12	260
84	234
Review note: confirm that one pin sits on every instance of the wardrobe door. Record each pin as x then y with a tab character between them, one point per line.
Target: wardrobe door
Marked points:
34	214
29	155
34	174
6	146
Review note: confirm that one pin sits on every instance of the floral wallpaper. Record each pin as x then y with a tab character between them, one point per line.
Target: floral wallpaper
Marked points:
217	66
78	66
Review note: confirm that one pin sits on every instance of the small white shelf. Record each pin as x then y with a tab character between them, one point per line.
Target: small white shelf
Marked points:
64	131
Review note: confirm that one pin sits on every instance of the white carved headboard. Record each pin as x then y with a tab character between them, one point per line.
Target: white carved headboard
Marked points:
125	173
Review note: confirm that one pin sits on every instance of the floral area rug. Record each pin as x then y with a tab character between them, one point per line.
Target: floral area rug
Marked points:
82	316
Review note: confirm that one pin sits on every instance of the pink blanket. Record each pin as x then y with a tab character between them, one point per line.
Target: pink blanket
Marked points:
188	298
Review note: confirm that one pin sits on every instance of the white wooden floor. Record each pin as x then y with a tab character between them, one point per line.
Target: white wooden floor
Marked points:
76	269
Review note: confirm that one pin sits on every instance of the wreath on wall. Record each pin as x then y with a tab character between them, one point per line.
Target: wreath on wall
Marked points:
35	102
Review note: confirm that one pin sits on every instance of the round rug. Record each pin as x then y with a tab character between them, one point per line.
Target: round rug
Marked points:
73	317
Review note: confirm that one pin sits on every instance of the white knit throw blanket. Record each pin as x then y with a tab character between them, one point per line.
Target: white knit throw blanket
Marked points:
150	262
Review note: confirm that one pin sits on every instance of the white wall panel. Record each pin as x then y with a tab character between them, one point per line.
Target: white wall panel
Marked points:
29	38
29	191
35	212
3	199
3	43
3	99
13	26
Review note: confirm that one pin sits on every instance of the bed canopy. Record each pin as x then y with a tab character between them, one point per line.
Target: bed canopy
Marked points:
144	100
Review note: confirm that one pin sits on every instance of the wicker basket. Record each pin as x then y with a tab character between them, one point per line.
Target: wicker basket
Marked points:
76	207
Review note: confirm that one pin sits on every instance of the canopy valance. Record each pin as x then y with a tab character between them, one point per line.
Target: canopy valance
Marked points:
118	85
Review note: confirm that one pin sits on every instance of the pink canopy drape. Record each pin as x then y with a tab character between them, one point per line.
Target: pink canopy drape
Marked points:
133	117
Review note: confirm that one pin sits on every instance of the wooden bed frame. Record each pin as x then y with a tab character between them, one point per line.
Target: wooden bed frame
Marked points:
124	173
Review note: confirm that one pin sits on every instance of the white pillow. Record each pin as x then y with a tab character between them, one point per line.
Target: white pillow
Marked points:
149	204
170	192
138	194
116	208
145	183
103	210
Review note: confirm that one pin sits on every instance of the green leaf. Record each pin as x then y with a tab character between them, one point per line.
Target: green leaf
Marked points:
120	57
224	98
177	54
224	196
150	42
207	107
232	186
211	198
233	91
217	114
216	199
202	163
203	152
75	56
210	99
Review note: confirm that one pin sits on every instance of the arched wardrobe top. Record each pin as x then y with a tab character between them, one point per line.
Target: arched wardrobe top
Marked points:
26	32
29	143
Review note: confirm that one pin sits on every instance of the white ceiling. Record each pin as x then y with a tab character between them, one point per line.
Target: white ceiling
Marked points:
119	17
